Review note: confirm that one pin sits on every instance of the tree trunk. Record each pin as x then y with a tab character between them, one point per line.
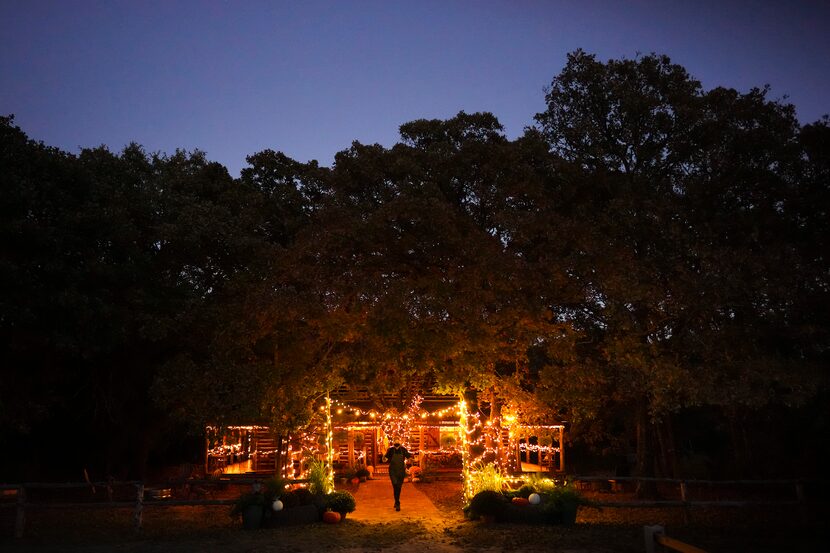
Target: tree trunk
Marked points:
645	453
671	449
493	437
278	458
738	453
668	457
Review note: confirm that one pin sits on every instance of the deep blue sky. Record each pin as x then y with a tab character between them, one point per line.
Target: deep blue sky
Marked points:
308	77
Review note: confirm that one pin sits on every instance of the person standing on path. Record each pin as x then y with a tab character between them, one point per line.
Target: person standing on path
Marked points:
397	456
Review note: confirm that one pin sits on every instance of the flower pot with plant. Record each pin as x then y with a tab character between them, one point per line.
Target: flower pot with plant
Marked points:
251	506
564	502
487	505
341	502
362	473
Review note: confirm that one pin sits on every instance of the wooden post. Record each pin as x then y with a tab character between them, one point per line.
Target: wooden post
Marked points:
350	438
650	533
20	520
518	453
278	457
562	449
375	448
138	515
685	499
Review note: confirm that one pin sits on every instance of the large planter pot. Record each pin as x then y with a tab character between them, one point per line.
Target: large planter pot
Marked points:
320	503
274	519
568	514
524	514
252	517
303	514
488	519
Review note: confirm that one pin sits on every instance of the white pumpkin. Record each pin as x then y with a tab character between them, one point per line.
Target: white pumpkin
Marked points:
534	498
277	505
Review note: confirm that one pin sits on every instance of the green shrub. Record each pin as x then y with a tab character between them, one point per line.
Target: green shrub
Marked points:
487	503
340	502
486	478
275	488
539	483
318	478
297	498
565	496
561	503
248	500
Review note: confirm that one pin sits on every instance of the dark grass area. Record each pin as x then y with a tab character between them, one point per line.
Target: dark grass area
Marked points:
191	529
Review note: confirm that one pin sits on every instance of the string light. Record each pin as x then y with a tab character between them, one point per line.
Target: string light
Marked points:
497	441
329	446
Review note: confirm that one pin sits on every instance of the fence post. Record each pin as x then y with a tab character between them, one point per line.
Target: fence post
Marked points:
685	499
799	491
650	532
20	520
138	515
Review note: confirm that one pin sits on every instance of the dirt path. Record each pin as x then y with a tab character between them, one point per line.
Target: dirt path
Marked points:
375	505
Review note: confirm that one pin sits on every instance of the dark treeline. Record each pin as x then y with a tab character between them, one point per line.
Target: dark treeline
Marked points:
648	262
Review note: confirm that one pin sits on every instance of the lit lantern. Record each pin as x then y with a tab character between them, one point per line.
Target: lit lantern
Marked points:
534	498
277	505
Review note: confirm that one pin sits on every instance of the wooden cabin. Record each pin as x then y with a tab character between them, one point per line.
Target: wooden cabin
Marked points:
364	426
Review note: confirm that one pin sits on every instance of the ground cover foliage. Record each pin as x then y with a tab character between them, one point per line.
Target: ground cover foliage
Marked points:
648	260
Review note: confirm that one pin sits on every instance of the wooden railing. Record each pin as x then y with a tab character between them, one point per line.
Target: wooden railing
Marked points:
23	502
797	487
657	535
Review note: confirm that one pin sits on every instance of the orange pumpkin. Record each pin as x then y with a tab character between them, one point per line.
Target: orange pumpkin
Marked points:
521	501
330	517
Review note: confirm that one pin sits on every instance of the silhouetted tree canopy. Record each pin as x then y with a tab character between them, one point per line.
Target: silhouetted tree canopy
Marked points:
649	249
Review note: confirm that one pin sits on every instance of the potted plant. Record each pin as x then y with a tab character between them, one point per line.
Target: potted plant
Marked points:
564	502
318	478
299	507
251	506
488	505
362	474
275	489
340	502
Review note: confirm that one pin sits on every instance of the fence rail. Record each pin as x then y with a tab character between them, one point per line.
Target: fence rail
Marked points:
657	535
23	502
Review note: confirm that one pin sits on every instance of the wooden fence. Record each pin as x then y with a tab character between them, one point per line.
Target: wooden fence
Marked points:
682	486
138	502
23	502
656	535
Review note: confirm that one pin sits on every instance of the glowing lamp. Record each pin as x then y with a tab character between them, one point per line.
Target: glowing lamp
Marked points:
277	505
534	498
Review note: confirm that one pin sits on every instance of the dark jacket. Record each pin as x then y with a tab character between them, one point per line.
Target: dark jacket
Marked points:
397	463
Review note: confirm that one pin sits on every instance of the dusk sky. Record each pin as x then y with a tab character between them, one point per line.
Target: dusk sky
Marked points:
307	77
